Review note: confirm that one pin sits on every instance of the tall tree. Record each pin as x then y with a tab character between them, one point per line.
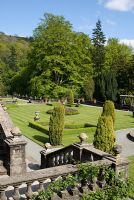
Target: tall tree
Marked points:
59	57
106	86
119	60
98	51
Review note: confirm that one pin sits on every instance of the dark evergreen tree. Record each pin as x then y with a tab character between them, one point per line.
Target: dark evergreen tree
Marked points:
104	137
111	86
56	125
106	86
98	52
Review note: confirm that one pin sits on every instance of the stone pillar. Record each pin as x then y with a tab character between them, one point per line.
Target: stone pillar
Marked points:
44	163
121	166
78	147
15	162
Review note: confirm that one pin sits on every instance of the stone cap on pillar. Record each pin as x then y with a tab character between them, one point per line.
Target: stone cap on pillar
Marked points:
17	137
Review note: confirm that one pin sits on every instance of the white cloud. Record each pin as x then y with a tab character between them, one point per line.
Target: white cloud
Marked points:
120	5
128	42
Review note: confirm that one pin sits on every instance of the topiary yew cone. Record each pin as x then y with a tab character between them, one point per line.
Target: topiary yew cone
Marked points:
109	109
56	125
104	137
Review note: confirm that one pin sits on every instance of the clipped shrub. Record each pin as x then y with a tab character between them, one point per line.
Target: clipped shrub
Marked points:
70	98
68	111
109	109
50	111
56	125
104	137
71	111
77	126
38	127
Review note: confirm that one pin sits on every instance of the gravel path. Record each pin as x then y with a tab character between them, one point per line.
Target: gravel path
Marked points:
33	151
127	144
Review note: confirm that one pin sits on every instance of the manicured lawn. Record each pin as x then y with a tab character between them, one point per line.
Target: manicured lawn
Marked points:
131	168
22	114
131	173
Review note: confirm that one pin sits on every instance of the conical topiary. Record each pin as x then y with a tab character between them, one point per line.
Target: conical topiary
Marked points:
104	137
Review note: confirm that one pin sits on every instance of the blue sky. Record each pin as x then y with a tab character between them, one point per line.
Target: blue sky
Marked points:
21	17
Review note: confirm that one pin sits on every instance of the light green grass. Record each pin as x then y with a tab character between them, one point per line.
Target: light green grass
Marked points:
22	114
131	174
131	168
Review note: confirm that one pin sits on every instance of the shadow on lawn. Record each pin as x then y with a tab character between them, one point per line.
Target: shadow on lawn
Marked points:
42	139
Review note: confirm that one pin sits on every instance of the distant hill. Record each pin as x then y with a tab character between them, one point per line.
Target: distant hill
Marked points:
12	38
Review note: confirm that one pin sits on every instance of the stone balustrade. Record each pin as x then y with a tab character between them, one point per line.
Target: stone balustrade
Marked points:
57	158
29	179
74	153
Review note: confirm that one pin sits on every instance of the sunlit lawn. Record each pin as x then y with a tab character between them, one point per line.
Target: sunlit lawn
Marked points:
131	173
22	114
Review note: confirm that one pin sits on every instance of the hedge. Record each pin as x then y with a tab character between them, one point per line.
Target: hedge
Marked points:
68	111
38	127
77	126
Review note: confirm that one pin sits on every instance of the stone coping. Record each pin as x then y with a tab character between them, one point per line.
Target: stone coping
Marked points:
44	174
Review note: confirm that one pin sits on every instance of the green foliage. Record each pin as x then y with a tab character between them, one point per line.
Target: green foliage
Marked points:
88	88
57	186
58	57
13	53
38	127
113	190
86	171
119	59
76	126
104	137
109	109
68	111
70	98
106	86
56	125
98	51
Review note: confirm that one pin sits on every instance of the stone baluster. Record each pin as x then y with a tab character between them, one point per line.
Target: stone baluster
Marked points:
92	157
61	159
2	194
16	195
41	185
53	161
56	160
70	156
65	158
29	190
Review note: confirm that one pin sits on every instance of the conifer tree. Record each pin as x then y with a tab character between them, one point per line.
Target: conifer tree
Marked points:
70	98
56	125
98	52
109	109
104	137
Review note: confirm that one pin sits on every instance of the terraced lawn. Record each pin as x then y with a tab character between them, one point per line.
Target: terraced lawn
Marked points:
22	114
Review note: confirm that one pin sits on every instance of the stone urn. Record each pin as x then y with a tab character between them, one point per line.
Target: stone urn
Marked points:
83	137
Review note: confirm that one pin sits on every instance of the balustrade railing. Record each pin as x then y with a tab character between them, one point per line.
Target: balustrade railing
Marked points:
74	153
57	158
30	180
